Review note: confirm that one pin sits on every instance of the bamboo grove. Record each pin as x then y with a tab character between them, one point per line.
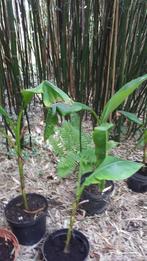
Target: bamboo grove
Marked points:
90	48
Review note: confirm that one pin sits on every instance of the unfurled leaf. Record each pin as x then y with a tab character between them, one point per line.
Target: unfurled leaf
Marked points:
113	168
120	96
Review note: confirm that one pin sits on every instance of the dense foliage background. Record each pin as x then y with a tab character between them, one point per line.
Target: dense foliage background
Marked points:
90	48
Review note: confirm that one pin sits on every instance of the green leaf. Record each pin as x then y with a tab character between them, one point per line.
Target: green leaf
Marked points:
120	96
111	144
131	117
67	165
140	142
100	138
18	133
67	109
75	120
8	119
51	94
51	121
28	94
113	168
145	136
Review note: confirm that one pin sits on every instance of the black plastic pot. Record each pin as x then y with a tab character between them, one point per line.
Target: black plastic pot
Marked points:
138	181
54	246
28	232
96	203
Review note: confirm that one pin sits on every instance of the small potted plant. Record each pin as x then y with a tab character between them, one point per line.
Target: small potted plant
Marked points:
69	244
9	246
64	244
26	213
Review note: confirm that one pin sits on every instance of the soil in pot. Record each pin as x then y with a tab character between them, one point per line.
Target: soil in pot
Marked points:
138	181
92	200
28	226
53	249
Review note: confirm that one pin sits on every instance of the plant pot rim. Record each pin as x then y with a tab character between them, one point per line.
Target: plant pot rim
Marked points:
26	223
63	231
7	233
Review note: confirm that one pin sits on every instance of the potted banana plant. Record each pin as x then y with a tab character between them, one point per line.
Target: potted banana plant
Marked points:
26	214
64	244
138	181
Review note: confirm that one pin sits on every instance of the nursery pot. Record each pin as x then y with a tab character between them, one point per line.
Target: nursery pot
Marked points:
53	248
138	181
93	201
9	246
28	226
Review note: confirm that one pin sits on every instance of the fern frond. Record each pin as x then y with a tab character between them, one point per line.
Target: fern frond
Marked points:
65	144
67	165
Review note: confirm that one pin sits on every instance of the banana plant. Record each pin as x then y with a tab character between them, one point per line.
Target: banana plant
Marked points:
15	141
50	94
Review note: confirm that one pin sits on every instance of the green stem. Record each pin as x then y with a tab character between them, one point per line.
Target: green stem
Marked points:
71	224
102	185
145	147
80	133
20	161
95	118
75	204
22	182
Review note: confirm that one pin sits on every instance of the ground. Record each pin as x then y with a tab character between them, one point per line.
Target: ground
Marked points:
119	234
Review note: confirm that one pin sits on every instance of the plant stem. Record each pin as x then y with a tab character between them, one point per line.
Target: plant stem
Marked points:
102	185
75	204
20	161
145	147
71	224
22	183
80	132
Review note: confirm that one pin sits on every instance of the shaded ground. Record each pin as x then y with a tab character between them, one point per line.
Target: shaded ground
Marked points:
119	234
